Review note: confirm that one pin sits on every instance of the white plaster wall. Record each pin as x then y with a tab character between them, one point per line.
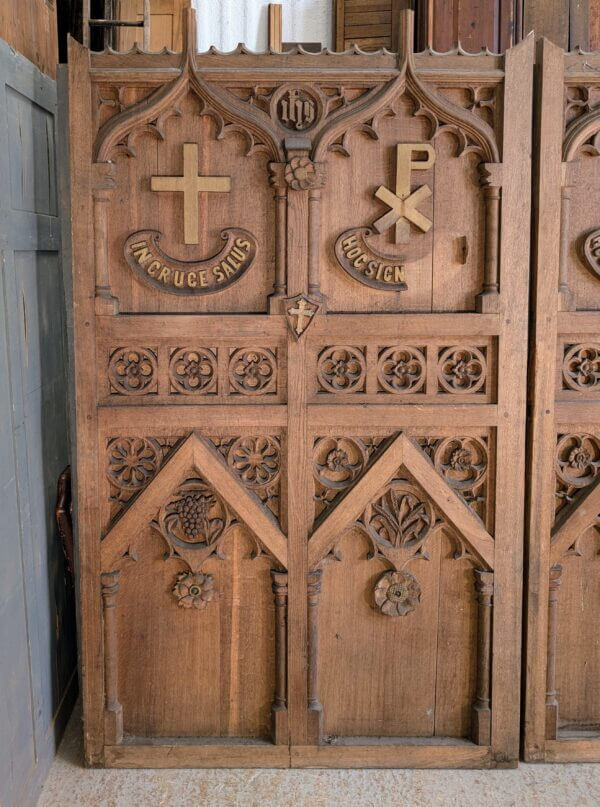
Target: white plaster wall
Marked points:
225	23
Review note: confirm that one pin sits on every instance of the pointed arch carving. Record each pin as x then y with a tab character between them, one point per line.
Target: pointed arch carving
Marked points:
230	114
582	129
473	133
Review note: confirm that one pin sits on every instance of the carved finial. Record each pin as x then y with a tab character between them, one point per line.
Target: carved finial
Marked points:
406	19
188	28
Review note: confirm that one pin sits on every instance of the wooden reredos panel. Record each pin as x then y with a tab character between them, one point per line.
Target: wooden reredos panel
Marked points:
300	287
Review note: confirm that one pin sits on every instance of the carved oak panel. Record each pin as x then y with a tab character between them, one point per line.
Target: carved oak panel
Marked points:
562	708
300	286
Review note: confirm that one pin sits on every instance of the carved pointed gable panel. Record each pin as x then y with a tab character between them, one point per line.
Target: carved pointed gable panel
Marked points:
195	472
382	487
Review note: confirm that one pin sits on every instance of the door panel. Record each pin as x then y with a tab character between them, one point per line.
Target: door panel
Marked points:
300	344
562	709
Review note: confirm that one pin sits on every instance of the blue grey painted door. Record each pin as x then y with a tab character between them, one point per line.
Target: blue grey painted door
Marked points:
37	630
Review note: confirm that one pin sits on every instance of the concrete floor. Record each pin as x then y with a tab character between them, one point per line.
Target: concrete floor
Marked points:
71	785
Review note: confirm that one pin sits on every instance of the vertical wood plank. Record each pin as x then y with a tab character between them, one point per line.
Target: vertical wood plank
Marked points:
541	439
298	476
512	370
85	437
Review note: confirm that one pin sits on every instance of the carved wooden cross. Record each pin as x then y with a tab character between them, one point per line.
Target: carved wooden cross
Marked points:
302	311
190	184
403	203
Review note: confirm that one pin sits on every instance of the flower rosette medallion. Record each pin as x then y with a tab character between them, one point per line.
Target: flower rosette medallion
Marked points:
194	589
397	593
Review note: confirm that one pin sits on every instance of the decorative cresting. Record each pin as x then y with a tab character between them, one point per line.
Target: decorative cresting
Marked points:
402	369
132	371
193	371
342	369
581	367
462	369
253	371
397	593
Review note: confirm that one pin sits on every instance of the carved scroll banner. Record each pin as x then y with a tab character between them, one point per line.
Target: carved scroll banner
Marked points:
367	265
155	268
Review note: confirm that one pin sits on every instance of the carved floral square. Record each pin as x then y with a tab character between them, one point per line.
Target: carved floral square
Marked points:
253	371
132	371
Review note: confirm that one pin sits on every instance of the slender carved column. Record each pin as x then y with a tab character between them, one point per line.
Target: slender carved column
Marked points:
566	301
280	286
490	180
481	714
551	693
314	235
103	179
113	711
277	180
279	709
315	710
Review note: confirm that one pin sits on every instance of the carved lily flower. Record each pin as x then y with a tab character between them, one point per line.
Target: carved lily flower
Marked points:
194	589
397	593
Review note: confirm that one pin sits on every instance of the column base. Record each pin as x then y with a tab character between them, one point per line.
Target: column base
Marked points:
481	725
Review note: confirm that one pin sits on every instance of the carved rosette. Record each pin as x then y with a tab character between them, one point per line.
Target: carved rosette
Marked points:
194	590
132	371
193	371
462	369
578	459
132	462
397	593
581	367
342	369
337	463
401	369
301	173
256	460
462	461
253	371
400	518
